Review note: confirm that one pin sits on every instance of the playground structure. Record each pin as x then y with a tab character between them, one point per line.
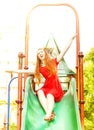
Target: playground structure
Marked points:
78	76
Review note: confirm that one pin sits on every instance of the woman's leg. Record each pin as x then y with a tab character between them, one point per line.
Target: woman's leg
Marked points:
42	100
50	106
47	104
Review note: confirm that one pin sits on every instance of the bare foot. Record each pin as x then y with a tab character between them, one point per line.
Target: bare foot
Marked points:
50	118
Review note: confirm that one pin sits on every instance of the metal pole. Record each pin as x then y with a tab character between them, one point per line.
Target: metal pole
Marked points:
19	101
8	108
77	31
81	89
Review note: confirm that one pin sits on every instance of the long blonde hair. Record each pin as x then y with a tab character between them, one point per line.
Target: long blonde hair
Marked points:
49	63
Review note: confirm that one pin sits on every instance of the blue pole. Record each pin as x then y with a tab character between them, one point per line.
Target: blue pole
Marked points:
8	109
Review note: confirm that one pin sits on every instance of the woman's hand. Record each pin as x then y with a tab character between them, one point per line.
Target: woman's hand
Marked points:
35	80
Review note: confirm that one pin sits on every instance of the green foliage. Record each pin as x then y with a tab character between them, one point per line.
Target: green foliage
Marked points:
90	56
89	90
2	102
13	127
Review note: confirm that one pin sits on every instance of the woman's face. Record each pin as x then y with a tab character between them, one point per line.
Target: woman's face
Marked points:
41	54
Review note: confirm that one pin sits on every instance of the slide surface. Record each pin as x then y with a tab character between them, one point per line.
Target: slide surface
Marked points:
67	111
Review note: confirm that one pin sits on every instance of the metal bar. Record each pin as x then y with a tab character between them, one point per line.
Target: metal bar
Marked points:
27	33
8	109
81	89
19	101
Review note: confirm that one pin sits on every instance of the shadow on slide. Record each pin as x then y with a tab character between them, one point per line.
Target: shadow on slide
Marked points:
67	111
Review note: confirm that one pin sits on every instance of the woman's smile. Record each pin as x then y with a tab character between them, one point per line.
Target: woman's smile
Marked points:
41	54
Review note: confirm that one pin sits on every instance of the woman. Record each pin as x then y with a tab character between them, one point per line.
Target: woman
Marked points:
51	91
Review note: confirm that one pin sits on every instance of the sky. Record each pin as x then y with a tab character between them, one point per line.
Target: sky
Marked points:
13	15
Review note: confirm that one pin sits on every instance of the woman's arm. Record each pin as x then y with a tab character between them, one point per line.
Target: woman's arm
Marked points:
61	55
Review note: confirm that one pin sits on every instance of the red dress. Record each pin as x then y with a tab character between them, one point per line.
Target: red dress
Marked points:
52	84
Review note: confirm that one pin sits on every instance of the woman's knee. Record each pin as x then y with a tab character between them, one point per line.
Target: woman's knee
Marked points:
50	96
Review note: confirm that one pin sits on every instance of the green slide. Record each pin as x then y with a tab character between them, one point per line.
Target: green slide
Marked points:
67	111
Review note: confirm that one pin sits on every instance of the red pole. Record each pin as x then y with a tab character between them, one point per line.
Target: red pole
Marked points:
4	128
19	101
27	33
81	89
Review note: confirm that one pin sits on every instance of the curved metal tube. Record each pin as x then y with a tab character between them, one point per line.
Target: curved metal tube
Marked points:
8	109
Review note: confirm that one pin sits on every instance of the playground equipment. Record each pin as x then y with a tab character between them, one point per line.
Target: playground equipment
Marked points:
70	115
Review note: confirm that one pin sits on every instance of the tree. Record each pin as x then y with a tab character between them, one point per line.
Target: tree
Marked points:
89	89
